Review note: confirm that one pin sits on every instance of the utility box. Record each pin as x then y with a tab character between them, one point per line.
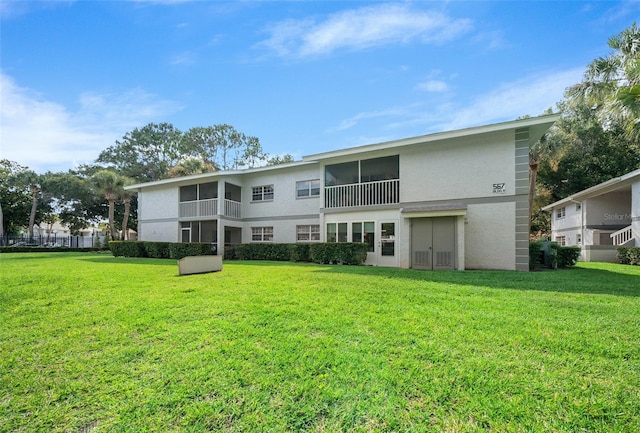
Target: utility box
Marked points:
199	264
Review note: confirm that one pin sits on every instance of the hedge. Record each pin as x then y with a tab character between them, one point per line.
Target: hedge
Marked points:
563	257
346	253
159	250
552	255
14	249
629	255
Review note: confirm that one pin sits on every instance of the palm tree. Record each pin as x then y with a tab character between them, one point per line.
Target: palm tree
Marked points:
126	196
109	184
191	165
612	83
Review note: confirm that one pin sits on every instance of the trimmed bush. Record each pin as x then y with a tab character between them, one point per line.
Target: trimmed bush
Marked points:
345	253
183	249
158	250
258	251
536	258
127	248
299	253
562	257
629	255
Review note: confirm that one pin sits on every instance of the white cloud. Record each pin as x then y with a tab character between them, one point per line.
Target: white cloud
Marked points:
362	28
530	95
435	86
368	115
45	135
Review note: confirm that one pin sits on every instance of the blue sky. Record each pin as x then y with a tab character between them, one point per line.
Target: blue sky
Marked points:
304	76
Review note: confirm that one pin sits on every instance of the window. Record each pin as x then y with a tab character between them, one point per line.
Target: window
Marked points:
366	170
367	236
262	193
262	234
188	193
560	213
308	233
199	231
201	191
308	188
561	240
337	232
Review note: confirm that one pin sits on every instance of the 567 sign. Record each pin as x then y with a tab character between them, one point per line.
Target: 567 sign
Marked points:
499	188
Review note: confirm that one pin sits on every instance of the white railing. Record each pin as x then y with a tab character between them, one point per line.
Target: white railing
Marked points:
232	208
362	194
199	208
209	208
622	236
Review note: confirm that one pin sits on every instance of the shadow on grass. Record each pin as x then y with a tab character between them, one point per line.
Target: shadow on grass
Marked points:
111	260
605	279
574	280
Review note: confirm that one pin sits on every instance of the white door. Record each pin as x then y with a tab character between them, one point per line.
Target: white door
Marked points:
387	246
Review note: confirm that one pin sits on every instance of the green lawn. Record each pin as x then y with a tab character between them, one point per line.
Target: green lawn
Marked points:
89	342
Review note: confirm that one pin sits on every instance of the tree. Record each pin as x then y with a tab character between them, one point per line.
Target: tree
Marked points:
32	183
145	154
191	165
126	196
586	152
612	83
14	200
109	183
280	159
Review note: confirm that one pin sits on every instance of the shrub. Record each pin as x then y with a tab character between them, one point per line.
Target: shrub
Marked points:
629	255
183	249
158	250
299	253
258	251
562	257
346	253
536	258
127	248
568	256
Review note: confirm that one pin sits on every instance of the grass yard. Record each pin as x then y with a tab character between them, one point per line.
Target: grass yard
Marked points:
93	343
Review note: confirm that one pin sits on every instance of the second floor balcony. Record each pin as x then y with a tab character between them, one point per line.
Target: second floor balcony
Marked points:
210	208
362	194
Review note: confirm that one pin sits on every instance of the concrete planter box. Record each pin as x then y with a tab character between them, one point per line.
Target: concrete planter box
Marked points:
199	264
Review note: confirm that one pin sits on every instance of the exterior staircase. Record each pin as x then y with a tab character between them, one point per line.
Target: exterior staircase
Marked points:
622	237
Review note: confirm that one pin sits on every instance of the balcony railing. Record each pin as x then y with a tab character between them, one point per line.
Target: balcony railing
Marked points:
209	208
362	194
622	236
232	208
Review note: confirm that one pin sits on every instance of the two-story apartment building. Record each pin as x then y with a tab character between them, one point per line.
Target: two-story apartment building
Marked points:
599	219
450	200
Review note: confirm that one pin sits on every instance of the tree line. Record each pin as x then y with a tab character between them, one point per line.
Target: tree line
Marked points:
94	192
596	138
598	134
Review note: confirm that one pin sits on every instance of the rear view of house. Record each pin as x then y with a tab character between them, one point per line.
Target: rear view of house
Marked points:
599	219
451	200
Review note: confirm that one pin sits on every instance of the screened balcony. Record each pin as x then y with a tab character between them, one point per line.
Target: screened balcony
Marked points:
368	182
202	201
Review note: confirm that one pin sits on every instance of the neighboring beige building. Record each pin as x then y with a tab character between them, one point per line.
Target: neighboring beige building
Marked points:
599	219
451	200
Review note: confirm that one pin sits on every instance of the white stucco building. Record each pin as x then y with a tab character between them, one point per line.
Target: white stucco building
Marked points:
450	200
599	219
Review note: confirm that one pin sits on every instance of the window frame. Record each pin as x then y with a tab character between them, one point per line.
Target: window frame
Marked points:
261	193
264	233
561	213
313	231
309	188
